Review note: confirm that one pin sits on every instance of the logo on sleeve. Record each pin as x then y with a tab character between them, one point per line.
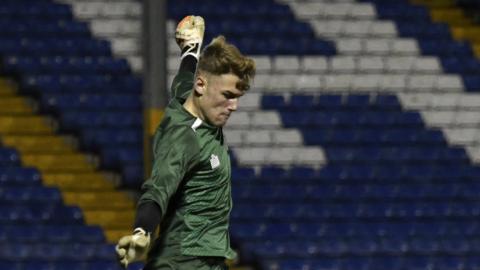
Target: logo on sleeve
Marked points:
214	161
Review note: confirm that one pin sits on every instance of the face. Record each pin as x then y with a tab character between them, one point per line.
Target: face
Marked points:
218	97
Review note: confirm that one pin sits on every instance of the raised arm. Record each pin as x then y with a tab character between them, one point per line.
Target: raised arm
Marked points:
189	37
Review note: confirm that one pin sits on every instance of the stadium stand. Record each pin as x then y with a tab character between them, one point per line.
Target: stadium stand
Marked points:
357	148
60	99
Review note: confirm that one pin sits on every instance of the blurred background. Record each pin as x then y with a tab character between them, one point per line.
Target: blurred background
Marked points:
356	148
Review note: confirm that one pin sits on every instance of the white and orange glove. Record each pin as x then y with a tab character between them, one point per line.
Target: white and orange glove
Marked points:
189	35
133	248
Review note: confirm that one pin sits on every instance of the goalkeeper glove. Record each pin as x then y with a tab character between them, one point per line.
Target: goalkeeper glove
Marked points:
133	248
189	35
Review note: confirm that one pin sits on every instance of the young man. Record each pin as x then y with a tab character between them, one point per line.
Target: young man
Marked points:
189	192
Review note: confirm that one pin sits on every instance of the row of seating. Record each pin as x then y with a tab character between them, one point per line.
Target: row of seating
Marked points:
74	121
50	234
63	264
274	45
32	195
440	102
398	155
261	9
40	214
332	119
362	64
65	65
329	101
100	9
323	212
345	10
384	262
90	102
250	29
380	29
35	9
363	247
54	46
392	230
335	119
19	176
30	27
365	173
352	63
402	47
95	83
355	137
352	192
57	251
374	82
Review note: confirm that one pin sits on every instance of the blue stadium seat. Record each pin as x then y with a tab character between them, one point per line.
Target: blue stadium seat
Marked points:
248	231
93	138
362	247
132	175
351	263
32	194
90	234
37	264
399	11
80	120
386	102
357	102
15	251
115	157
273	102
70	265
301	102
81	84
243	174
13	176
269	173
103	264
9	157
296	119
277	264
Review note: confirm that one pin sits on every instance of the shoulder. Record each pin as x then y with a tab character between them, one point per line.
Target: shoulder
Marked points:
177	134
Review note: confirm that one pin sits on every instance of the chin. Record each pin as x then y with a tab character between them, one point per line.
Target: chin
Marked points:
220	123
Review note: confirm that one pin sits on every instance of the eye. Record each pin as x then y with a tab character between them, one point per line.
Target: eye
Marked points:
229	95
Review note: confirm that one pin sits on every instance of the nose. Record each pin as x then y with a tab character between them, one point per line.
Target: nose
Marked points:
233	104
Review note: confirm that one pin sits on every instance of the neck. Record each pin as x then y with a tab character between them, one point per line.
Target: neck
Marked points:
191	107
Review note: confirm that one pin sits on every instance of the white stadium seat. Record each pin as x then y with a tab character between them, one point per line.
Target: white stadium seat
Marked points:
263	64
314	64
342	64
257	138
286	64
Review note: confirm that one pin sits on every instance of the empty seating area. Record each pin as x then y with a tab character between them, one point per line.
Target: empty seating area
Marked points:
356	148
76	79
38	231
117	21
391	192
58	209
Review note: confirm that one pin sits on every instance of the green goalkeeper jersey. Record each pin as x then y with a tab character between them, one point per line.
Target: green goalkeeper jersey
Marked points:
190	182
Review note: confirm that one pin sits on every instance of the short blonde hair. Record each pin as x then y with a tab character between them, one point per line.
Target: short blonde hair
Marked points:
220	57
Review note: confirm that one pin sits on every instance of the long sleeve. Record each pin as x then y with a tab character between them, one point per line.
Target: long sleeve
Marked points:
176	152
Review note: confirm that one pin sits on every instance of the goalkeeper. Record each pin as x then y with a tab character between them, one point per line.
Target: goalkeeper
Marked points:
189	191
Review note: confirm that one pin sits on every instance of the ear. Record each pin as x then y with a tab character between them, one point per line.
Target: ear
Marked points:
200	84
